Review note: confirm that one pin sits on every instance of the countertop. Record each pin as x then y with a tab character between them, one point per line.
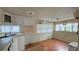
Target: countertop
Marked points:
5	41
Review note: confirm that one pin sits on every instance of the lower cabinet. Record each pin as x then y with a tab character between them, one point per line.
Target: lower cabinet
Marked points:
18	43
6	48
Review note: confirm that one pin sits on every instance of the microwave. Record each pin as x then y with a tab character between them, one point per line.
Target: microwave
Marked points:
7	18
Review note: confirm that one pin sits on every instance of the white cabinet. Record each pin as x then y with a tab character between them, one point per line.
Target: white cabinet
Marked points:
29	21
28	38
19	20
18	44
1	16
21	45
23	20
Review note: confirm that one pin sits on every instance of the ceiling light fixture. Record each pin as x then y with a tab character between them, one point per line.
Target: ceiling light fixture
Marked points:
30	12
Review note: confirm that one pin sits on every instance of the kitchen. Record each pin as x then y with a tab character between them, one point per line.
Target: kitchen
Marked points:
23	26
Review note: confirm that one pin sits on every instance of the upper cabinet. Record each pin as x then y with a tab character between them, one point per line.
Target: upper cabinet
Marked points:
23	20
29	21
19	20
1	16
6	17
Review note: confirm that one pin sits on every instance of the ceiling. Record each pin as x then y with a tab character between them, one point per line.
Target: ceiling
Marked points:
43	13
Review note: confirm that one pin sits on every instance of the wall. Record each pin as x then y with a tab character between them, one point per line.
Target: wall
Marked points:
66	36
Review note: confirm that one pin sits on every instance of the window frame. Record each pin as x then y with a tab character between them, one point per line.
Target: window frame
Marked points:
65	27
41	27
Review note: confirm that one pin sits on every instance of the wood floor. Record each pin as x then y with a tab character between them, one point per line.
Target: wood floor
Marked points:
50	45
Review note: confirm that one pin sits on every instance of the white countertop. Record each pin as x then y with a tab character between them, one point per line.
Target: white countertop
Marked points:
4	42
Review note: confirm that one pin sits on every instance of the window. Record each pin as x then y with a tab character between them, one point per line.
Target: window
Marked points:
57	27
15	28
43	28
62	27
69	27
5	28
75	27
9	28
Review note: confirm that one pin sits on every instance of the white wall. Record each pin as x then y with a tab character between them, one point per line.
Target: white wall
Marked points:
66	36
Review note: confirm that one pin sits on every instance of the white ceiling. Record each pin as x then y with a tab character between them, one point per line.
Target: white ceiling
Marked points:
43	13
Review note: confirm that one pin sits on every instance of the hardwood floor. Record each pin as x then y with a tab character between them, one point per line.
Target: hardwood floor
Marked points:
50	45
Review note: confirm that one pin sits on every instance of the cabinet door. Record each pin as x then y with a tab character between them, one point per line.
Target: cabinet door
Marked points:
28	21
19	20
14	46
1	16
18	44
21	43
